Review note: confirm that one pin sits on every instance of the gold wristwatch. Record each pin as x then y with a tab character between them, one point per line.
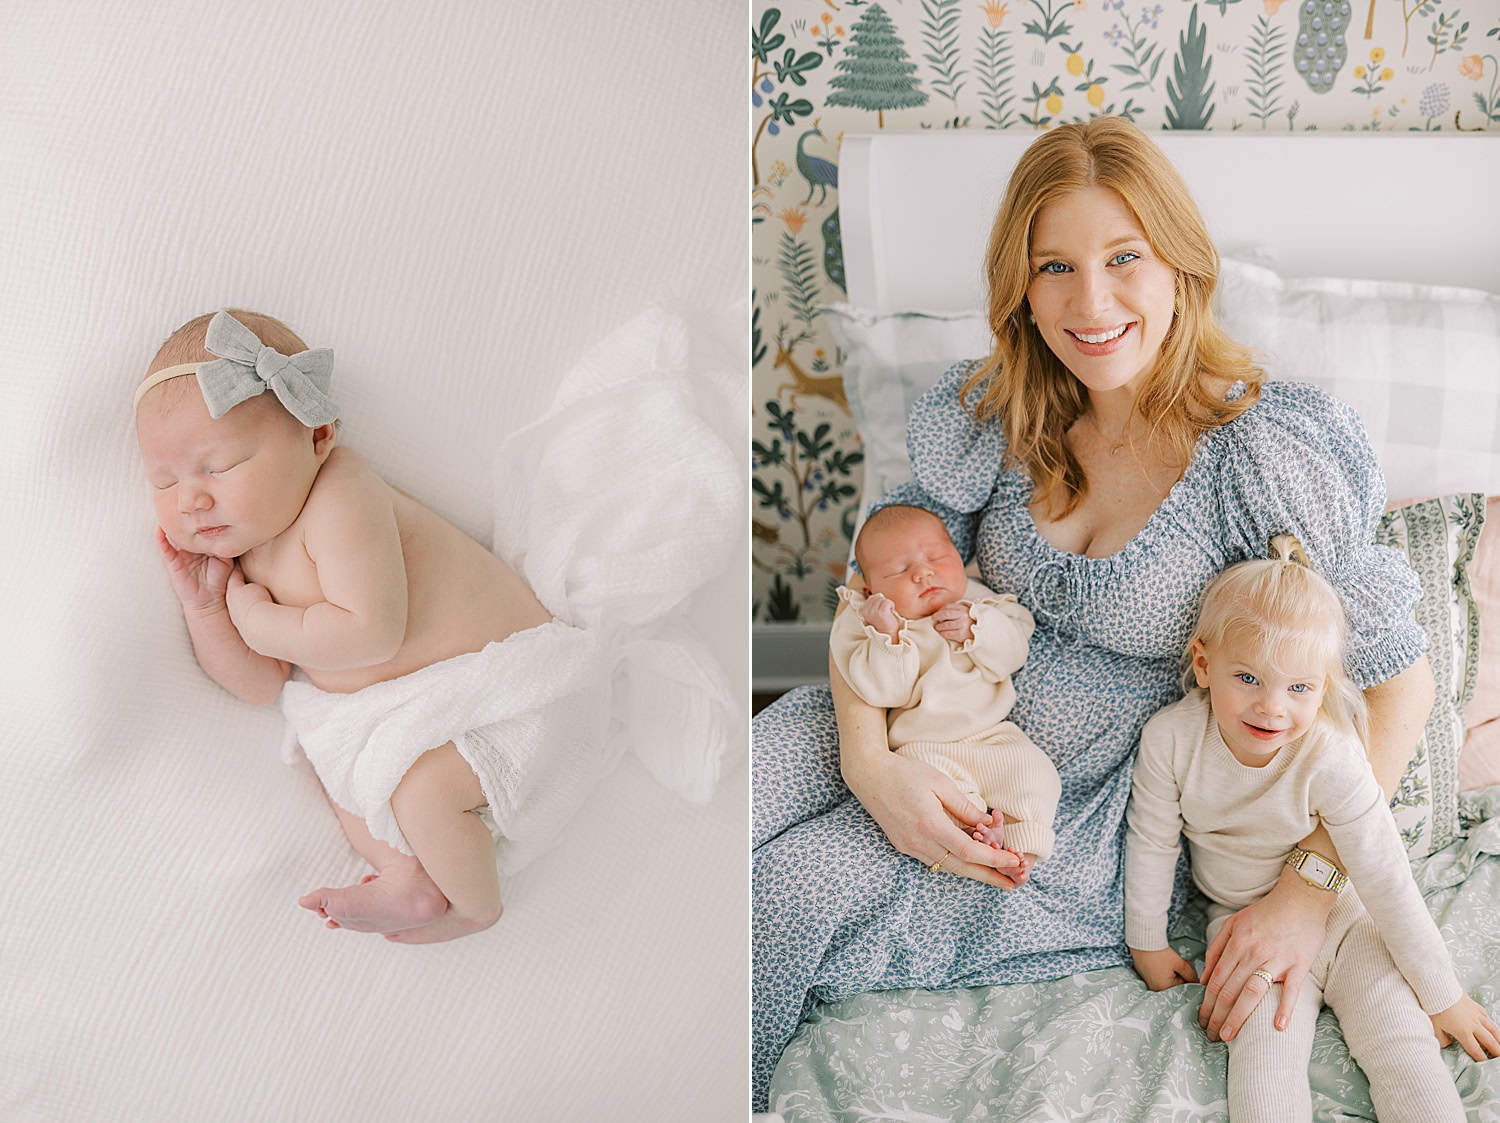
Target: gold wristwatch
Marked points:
1316	869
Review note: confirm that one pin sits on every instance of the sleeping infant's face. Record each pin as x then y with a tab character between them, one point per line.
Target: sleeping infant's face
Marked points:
908	556
225	486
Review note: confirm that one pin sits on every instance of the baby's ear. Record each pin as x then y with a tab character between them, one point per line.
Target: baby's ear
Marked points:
323	439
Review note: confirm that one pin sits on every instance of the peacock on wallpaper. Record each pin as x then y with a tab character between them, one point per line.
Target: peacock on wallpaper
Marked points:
820	68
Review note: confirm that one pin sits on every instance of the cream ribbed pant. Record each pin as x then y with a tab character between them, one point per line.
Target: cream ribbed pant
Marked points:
1387	1033
1008	774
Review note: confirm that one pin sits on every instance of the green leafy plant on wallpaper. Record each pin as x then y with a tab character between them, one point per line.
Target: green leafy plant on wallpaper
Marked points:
812	475
1051	24
1145	54
1410	10
791	68
1265	55
876	73
1189	90
940	34
1053	94
994	69
1447	34
1474	67
800	277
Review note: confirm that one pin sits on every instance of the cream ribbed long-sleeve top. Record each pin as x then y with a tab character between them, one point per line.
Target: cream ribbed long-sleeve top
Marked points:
1241	821
934	690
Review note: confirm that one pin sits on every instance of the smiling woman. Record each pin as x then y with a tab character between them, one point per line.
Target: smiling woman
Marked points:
1022	454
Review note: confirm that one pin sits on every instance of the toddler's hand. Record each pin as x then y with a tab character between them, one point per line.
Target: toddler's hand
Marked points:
1467	1023
880	614
199	580
1162	969
241	596
953	622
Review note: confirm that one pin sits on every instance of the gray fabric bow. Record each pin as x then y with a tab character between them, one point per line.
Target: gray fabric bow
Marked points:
246	367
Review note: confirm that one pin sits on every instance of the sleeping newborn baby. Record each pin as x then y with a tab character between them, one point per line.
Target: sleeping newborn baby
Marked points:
287	551
937	649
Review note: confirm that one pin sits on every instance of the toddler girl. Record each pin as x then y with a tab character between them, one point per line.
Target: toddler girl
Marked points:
1268	743
937	650
433	688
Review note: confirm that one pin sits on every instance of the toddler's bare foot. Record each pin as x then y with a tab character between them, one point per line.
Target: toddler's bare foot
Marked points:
386	902
992	835
449	926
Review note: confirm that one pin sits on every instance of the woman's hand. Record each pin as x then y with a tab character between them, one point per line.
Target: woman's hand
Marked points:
1162	969
199	580
1467	1023
1281	933
920	810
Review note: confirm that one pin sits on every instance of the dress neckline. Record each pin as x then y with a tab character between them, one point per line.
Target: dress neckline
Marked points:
1172	499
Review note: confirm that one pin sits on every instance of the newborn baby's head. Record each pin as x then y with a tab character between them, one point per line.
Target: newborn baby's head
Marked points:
905	553
225	485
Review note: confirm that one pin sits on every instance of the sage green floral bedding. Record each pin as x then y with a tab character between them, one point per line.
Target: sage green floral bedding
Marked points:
1100	1046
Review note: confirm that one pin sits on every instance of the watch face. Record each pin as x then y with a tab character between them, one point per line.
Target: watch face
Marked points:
1317	869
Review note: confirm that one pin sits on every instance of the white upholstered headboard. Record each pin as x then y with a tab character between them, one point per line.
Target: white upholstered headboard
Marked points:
916	208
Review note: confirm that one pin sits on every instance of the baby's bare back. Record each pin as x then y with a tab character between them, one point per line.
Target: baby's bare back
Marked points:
460	596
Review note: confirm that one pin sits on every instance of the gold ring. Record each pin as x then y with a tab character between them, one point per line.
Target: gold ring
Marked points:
1264	974
937	865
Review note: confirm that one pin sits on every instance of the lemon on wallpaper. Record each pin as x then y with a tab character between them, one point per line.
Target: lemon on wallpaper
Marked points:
1321	49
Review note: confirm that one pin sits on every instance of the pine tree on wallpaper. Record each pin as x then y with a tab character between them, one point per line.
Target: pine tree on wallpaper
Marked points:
876	72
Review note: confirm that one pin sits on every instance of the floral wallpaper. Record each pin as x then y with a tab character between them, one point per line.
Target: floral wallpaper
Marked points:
819	68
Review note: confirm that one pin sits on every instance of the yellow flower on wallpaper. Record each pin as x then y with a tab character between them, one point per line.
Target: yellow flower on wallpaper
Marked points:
1359	72
1386	74
1054	103
1377	54
1075	64
1472	67
994	11
1096	95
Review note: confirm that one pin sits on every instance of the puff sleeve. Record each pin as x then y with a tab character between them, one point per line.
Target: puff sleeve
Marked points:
956	461
1299	462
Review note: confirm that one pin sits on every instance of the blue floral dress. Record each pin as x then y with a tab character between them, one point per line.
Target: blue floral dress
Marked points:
837	910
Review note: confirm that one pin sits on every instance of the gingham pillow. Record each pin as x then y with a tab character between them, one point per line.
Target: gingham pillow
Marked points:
1421	364
1439	537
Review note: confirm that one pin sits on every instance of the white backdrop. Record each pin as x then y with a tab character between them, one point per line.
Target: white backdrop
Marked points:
459	199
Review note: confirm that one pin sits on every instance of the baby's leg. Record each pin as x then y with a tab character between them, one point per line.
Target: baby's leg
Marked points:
434	806
1387	1033
1268	1066
398	895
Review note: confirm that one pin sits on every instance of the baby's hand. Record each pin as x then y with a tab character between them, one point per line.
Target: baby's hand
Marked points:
880	614
1467	1023
953	623
1162	969
199	580
241	596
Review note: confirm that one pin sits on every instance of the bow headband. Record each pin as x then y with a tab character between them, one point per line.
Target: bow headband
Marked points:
246	367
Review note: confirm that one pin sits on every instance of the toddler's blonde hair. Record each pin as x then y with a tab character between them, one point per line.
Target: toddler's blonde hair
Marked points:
1283	609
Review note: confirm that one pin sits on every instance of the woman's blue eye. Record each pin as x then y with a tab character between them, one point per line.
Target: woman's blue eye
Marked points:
1299	688
1048	267
1246	677
1128	254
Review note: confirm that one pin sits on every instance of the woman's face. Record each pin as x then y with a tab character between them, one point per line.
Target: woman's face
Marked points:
1101	297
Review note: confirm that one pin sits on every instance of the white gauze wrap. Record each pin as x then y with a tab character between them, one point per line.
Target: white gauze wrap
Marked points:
616	506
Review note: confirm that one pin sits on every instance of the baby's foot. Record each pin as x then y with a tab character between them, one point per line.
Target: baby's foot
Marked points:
993	834
386	902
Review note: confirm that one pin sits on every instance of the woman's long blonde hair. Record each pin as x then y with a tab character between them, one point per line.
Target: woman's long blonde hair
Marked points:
1282	609
1027	387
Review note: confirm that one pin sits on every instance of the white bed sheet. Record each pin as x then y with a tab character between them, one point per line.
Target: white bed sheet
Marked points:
458	199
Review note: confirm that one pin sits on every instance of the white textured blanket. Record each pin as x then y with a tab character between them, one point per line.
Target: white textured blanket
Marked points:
457	198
